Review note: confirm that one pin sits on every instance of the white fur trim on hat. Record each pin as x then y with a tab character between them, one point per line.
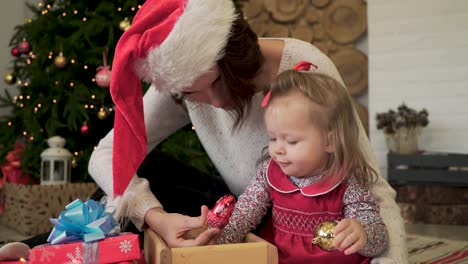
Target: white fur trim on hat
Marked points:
192	48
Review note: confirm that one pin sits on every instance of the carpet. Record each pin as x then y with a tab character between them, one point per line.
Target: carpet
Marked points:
433	250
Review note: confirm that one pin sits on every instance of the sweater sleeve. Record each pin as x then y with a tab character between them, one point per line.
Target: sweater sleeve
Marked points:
162	117
396	251
250	208
360	204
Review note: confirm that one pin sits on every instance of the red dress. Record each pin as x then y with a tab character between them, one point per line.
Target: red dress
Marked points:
296	212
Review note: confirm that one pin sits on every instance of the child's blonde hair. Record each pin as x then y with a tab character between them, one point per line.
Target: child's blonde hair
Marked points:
337	116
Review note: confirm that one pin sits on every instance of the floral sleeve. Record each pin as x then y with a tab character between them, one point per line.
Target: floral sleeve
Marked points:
250	208
360	204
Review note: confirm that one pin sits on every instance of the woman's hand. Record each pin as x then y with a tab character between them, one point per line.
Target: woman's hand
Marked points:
350	236
172	227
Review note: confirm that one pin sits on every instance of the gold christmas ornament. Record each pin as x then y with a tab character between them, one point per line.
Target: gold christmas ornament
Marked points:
9	78
60	61
323	235
102	114
74	162
124	25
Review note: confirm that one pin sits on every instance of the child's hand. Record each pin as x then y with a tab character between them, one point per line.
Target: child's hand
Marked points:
350	236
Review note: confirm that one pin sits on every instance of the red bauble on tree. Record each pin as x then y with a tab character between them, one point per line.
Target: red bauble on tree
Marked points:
15	52
103	75
84	128
24	47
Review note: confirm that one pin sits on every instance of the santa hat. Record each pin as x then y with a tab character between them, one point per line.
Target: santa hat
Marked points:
170	44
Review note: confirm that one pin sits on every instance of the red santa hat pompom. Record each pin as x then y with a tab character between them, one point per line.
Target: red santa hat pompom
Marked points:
170	44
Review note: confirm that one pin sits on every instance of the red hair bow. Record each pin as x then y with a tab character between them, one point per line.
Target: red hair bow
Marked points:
300	66
304	66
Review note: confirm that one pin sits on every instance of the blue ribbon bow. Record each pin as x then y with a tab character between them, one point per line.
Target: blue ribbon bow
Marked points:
87	221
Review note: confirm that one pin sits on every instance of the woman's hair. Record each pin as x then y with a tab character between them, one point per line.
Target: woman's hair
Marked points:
241	62
238	67
336	116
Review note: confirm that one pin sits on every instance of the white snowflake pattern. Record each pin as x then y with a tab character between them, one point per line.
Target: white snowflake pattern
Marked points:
125	246
76	258
46	255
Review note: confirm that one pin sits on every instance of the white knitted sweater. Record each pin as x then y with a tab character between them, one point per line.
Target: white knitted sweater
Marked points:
234	153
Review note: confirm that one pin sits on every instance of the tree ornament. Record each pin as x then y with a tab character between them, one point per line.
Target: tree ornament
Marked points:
125	24
74	162
323	235
9	78
24	47
60	61
12	169
103	75
102	114
84	128
219	215
15	52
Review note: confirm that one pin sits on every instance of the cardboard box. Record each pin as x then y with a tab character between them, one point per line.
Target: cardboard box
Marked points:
253	251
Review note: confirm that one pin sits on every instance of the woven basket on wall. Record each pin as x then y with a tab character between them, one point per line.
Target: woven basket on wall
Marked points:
28	208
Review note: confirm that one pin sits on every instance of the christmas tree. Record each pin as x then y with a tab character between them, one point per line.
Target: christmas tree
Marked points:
59	66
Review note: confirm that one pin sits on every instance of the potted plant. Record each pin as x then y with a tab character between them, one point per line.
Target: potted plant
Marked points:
402	128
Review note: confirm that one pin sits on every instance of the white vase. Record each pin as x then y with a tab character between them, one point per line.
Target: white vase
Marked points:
404	140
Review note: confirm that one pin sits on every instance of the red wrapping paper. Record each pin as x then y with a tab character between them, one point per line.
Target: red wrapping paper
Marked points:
125	247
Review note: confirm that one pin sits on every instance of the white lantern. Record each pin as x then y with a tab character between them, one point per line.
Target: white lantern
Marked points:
55	162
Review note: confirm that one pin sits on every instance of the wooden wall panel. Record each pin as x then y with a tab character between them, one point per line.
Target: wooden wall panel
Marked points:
334	26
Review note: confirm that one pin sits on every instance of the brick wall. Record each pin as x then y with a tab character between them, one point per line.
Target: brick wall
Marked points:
418	54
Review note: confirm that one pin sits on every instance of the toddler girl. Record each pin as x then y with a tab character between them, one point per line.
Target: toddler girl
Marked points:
314	171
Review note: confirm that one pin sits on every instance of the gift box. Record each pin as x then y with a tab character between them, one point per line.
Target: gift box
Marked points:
121	248
254	250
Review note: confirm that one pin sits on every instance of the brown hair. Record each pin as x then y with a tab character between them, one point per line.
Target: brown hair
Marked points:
238	67
240	64
337	117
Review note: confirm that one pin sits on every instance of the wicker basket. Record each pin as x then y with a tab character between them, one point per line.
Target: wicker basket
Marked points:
28	208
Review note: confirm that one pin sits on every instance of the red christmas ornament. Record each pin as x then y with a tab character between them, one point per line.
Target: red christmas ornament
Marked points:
11	169
219	215
15	52
103	75
84	129
24	47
